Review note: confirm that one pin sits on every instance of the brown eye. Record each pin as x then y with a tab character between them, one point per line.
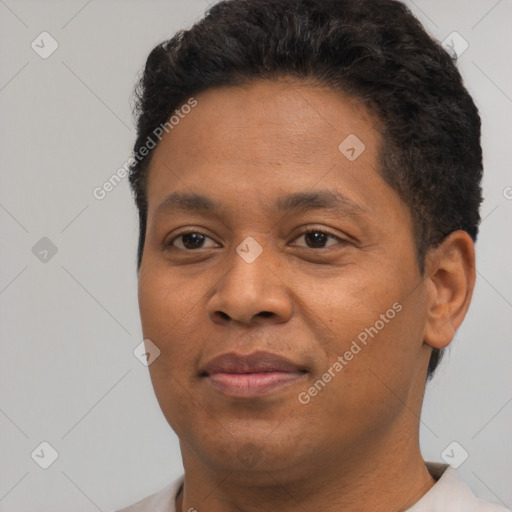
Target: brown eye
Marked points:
190	240
317	239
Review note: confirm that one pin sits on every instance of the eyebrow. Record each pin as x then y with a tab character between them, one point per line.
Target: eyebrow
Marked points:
310	200
298	201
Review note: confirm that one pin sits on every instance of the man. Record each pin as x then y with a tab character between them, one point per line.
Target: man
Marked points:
307	175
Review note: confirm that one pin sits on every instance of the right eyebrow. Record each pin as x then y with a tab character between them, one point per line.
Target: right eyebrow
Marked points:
187	203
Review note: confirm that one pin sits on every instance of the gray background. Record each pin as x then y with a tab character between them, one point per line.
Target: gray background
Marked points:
69	324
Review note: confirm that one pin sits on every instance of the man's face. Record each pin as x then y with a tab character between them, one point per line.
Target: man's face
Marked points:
308	297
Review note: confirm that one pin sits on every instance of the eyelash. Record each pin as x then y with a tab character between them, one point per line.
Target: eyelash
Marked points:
305	232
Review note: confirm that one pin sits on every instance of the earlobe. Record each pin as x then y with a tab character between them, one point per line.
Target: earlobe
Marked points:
450	271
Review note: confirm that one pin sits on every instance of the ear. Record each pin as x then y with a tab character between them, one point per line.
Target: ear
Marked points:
450	270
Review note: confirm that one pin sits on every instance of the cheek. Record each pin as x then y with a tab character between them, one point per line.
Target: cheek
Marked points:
376	327
350	307
167	316
382	358
169	320
165	304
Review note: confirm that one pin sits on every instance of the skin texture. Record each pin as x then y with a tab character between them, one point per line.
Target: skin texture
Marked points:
355	445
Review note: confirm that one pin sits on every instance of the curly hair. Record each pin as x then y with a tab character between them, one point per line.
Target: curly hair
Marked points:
374	50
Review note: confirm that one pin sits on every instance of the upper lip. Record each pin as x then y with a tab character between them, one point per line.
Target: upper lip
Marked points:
256	362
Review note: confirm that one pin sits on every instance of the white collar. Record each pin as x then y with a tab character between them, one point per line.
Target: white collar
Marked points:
450	494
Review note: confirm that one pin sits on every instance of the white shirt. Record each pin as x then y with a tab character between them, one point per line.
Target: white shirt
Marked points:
449	494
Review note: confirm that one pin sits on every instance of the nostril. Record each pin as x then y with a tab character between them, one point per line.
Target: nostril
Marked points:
266	314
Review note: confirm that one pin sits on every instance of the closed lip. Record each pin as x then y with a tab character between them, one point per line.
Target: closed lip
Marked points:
251	376
257	362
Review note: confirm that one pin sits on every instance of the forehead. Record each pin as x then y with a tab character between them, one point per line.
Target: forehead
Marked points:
268	124
270	121
257	143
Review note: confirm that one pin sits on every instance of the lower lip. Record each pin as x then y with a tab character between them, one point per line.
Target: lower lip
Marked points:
251	384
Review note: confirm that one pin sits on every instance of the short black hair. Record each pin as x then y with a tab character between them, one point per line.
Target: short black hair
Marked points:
374	50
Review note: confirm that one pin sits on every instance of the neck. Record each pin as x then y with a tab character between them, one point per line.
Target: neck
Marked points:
380	479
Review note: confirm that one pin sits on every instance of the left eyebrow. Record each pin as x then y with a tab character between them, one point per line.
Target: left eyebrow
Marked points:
318	199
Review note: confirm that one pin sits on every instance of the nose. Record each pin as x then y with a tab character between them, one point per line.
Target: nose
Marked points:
251	293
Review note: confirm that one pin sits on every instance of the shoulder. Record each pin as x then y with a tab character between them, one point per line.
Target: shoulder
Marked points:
451	494
162	501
